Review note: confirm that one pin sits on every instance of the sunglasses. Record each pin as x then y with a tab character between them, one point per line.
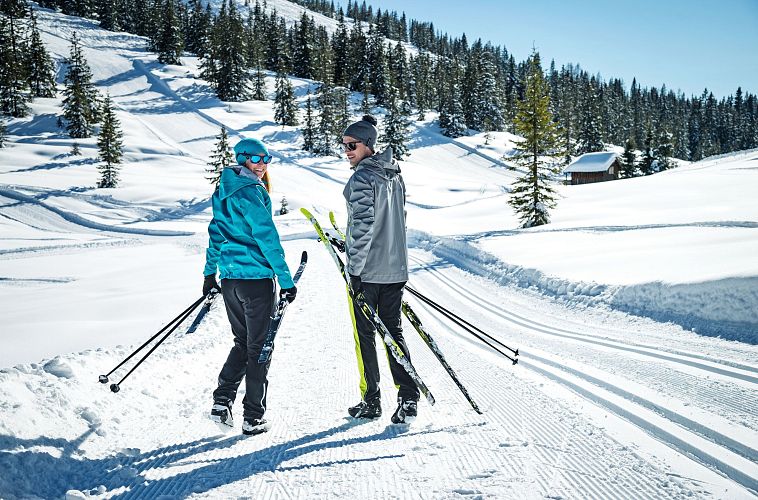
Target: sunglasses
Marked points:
253	158
350	146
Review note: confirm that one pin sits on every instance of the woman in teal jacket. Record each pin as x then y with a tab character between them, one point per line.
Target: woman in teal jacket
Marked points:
244	247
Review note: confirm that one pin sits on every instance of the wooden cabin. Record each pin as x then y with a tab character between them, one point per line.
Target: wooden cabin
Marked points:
594	167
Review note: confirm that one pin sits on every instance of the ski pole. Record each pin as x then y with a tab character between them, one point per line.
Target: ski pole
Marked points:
339	244
416	322
117	387
465	325
103	379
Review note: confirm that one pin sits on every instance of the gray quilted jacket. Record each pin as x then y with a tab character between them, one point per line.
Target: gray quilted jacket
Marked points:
376	244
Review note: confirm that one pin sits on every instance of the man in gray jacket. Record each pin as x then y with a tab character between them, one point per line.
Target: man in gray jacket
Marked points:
377	261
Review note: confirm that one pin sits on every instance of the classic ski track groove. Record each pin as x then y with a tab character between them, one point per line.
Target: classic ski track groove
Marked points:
596	393
645	350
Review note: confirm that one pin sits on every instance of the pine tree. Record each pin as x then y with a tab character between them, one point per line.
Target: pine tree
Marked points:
285	207
629	160
663	150
40	67
284	103
452	119
170	40
75	151
109	143
80	103
395	126
589	138
13	77
3	132
325	138
232	78
539	152
309	129
259	85
648	162
302	47
220	158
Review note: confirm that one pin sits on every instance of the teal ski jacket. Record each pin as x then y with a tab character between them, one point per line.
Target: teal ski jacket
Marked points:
244	243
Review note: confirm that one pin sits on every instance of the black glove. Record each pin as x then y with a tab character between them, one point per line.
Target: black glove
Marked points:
288	293
209	283
355	284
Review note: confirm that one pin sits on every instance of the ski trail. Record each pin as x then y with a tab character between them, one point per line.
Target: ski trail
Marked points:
153	440
710	446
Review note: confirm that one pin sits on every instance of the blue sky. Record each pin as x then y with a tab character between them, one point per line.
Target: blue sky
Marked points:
686	44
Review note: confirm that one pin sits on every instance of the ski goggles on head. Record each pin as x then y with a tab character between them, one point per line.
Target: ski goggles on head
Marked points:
243	157
350	146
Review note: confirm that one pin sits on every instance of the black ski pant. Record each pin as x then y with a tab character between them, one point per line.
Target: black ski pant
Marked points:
249	304
386	299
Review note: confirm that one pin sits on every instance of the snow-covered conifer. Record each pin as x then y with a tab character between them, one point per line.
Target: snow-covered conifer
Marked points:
285	108
220	158
309	127
109	144
81	99
40	66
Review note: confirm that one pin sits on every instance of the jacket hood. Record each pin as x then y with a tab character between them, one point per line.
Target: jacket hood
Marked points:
381	163
232	181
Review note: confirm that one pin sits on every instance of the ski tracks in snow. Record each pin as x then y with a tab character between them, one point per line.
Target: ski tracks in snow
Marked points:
700	408
152	439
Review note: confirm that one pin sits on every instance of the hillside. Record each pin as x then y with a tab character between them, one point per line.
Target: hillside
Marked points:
614	397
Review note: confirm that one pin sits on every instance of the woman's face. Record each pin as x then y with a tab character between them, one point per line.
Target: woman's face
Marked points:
258	169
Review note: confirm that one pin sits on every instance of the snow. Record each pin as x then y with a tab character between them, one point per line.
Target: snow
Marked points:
592	162
634	313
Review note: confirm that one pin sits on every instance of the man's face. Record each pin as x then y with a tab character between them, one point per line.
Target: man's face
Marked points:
354	156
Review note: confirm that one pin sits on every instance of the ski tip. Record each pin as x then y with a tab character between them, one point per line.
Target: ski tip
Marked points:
304	256
103	379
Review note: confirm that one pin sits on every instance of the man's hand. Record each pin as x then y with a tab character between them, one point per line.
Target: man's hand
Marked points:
356	284
209	283
288	293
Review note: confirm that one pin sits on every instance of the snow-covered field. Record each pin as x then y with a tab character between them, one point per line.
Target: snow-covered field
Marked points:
634	312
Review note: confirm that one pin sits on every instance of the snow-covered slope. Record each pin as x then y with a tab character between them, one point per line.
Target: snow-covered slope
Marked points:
602	405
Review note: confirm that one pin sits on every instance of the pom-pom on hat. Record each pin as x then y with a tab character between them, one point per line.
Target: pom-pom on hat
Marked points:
363	130
250	147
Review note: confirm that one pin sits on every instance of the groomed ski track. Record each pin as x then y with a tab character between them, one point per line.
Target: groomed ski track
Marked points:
152	440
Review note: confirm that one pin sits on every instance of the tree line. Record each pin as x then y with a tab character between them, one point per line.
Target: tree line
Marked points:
474	86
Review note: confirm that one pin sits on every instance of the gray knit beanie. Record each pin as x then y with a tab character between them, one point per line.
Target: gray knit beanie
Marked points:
364	130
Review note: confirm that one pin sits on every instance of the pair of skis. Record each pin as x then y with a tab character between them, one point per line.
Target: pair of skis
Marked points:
370	312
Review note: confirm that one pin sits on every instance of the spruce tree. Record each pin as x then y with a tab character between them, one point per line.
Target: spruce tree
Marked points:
648	162
309	128
3	132
302	47
232	78
109	144
629	160
220	158
170	40
325	138
285	207
75	151
13	77
259	85
539	152
664	149
285	108
395	126
452	119
40	66
80	103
